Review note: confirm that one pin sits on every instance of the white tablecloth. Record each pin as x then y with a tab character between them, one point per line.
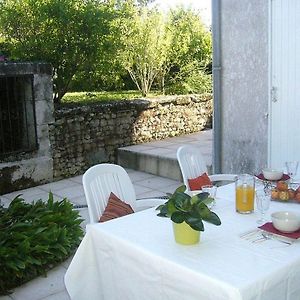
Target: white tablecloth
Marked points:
136	257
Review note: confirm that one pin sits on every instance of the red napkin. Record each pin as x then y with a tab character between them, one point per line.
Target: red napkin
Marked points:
198	182
115	208
270	228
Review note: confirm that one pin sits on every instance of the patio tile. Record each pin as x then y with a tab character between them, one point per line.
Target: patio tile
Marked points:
157	182
183	139
67	262
71	191
161	144
77	179
159	151
4	201
58	185
29	196
42	287
63	295
174	147
151	194
85	216
138	148
137	176
81	200
140	190
26	193
170	188
5	298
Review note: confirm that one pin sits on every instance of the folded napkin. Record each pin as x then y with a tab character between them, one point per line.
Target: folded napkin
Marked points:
198	182
270	228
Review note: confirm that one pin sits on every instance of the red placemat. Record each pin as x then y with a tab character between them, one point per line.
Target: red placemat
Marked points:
270	228
284	177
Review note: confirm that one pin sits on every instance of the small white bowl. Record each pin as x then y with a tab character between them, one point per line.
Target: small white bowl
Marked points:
286	221
272	174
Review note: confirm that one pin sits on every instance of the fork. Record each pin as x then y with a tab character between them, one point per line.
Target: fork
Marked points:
270	236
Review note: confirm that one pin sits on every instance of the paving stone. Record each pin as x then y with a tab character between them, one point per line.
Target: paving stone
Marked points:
42	287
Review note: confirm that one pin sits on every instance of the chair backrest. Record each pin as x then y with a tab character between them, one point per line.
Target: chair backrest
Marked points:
102	179
191	163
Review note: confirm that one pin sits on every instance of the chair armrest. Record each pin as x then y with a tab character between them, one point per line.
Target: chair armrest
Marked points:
149	202
222	177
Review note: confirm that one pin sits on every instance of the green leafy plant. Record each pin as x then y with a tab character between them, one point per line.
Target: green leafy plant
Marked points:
34	238
181	207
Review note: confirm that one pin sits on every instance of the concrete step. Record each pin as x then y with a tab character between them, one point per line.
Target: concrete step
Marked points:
150	163
159	157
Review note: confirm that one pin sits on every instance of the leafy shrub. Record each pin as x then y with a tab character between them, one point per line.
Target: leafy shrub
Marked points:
190	79
34	238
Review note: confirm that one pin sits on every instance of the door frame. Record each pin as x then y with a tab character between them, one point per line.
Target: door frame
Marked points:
270	70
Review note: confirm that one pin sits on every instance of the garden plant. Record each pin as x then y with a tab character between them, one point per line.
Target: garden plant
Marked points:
34	238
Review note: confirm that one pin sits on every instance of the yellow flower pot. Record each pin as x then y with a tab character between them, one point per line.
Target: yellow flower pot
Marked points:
185	235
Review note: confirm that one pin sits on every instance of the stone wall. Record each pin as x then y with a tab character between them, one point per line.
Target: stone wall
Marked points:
84	136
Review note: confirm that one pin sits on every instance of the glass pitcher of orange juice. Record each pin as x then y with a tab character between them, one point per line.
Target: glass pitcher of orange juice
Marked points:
244	193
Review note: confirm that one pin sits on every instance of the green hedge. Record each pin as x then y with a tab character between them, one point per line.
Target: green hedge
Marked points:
34	238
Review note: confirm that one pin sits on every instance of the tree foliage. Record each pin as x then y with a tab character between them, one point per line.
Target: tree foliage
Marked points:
146	48
172	52
109	44
65	33
190	53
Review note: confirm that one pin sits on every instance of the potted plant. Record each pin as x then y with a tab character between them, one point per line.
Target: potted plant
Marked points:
188	213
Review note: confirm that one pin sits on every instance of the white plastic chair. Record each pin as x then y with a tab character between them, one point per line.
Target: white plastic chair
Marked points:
192	165
102	179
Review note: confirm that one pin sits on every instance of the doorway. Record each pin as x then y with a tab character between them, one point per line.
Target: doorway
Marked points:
284	121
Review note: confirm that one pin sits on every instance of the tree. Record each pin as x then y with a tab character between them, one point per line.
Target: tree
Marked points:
66	33
144	3
146	43
189	54
107	71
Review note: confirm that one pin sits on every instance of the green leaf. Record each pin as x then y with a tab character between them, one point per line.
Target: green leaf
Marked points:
202	196
196	224
181	189
212	218
161	215
178	217
181	201
208	200
160	207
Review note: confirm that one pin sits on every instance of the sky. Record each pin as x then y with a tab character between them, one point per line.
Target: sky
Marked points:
204	6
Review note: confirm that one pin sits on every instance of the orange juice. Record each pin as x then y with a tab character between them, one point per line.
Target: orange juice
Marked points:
244	199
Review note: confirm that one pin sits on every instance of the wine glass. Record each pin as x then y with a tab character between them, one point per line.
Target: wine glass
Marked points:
263	198
292	167
211	190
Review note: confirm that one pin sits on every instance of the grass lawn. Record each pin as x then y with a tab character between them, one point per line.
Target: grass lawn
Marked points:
94	97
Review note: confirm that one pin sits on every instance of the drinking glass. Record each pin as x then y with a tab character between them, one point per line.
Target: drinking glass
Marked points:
244	193
292	167
263	198
211	190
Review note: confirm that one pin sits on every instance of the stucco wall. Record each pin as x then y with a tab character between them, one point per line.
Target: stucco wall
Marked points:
244	85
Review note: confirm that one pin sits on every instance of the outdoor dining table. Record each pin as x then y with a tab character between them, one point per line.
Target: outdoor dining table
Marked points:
136	257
